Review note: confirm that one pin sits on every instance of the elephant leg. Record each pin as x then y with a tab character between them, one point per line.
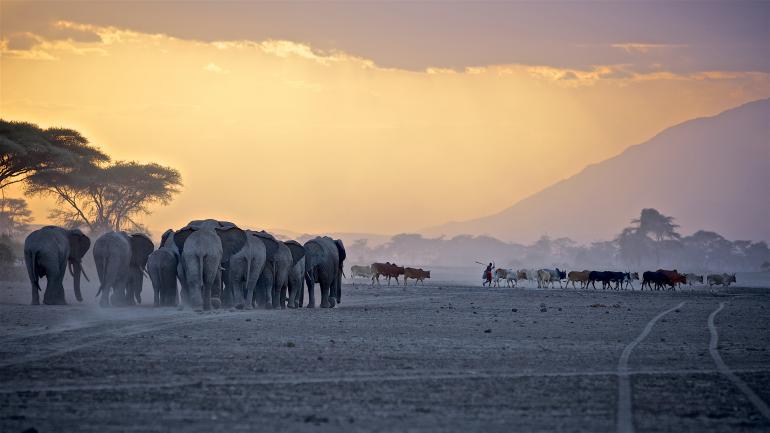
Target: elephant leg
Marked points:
54	288
35	292
277	300
325	287
284	298
301	294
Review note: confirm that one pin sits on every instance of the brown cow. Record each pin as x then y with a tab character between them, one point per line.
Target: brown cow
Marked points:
580	277
416	274
387	269
674	277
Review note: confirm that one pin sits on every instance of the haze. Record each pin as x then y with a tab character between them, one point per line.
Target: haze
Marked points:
300	126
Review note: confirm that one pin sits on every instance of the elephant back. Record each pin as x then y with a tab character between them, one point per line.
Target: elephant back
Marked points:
297	251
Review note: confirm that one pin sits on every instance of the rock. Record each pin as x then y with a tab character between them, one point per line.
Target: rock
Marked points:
514	309
290	344
543	310
487	331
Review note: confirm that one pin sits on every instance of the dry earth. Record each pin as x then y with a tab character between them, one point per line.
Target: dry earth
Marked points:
432	358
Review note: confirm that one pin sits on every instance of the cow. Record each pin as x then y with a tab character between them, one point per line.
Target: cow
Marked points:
550	276
628	279
580	277
693	278
723	279
509	275
675	278
657	279
387	269
360	271
419	275
521	275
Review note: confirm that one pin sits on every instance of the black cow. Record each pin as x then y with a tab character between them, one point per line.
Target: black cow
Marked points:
658	279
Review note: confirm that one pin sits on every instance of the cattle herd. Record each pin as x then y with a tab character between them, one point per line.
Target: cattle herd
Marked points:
657	280
652	280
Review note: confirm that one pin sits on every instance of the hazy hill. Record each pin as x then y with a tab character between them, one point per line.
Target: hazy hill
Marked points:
710	173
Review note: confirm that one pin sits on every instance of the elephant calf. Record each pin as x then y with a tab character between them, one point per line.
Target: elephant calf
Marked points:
162	268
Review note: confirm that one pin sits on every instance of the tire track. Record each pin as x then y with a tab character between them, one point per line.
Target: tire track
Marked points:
625	419
730	374
352	378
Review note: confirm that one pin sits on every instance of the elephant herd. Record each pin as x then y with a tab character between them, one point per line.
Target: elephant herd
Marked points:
215	262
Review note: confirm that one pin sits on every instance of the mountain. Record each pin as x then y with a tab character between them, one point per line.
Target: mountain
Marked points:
709	173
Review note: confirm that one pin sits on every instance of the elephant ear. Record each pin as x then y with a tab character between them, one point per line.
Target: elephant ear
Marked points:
79	244
297	251
141	248
233	239
340	250
271	245
180	237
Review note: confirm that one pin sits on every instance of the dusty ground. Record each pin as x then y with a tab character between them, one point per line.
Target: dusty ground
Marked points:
433	358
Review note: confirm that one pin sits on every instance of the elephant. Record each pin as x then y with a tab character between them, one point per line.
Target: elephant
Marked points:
121	260
206	246
296	275
243	272
47	252
275	274
324	258
162	267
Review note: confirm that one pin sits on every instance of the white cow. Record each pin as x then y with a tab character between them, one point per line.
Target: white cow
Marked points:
360	271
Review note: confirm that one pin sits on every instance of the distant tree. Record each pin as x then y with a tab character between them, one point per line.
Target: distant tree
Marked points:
633	246
7	255
661	227
709	248
26	149
15	216
109	197
765	266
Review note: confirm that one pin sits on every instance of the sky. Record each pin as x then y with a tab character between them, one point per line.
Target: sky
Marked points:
370	116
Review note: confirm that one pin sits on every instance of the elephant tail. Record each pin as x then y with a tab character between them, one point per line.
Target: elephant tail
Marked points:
248	273
31	258
101	269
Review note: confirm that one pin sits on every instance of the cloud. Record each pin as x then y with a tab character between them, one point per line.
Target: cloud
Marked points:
644	48
213	67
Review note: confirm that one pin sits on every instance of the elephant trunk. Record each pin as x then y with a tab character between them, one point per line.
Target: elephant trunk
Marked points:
77	269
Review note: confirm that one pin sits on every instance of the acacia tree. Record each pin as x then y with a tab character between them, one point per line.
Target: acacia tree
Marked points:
661	227
107	197
26	149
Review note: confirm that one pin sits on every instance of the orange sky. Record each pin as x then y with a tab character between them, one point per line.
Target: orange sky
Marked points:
274	134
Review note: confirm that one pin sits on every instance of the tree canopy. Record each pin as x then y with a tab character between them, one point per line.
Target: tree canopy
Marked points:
26	149
107	197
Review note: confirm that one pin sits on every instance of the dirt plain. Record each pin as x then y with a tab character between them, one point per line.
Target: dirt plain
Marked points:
439	357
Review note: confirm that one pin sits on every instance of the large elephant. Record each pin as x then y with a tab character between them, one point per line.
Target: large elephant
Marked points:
243	272
324	258
275	274
296	276
121	261
47	252
205	248
162	268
